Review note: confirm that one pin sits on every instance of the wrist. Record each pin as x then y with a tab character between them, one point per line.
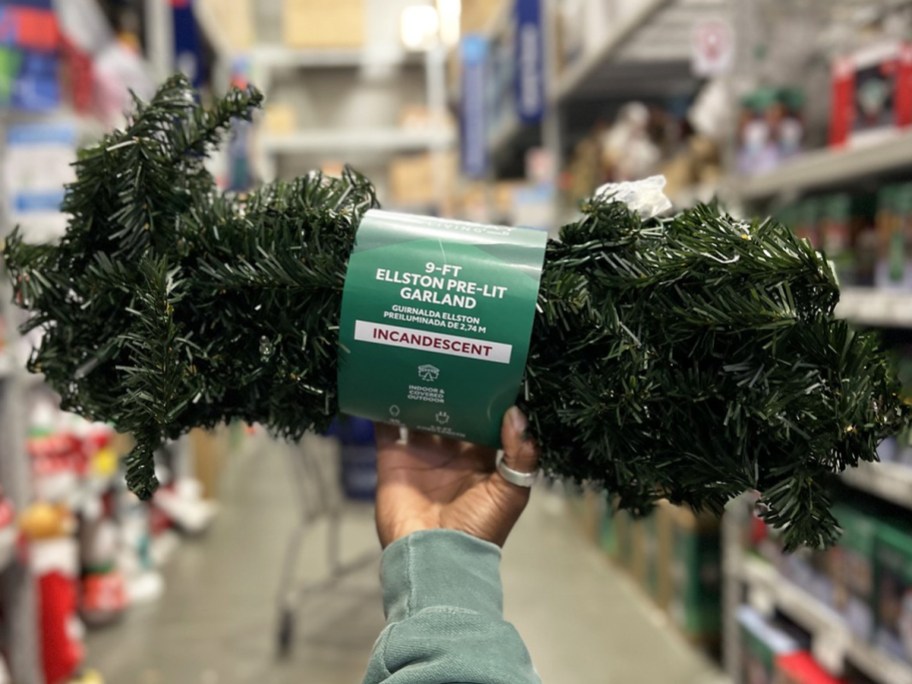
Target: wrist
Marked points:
430	568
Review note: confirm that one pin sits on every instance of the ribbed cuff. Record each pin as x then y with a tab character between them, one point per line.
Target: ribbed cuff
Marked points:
440	568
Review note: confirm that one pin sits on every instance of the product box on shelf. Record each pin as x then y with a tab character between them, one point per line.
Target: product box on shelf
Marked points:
419	180
806	216
871	93
851	564
893	582
236	21
801	668
837	233
894	237
770	129
844	226
476	15
324	25
279	119
696	572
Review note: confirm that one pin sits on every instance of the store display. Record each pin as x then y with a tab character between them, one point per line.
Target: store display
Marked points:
708	319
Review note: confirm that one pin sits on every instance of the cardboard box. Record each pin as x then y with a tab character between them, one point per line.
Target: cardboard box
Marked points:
477	15
413	178
279	119
314	24
234	21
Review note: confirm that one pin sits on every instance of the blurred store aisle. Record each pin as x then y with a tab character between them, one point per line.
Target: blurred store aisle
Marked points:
215	624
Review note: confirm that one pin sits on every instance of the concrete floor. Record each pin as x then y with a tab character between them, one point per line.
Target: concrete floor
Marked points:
582	621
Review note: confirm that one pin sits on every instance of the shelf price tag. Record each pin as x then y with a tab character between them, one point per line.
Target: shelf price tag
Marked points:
436	320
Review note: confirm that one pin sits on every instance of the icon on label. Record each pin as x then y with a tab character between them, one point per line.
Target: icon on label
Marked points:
428	373
442	417
394	410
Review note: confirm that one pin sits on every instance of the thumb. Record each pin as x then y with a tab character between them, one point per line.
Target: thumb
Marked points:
520	451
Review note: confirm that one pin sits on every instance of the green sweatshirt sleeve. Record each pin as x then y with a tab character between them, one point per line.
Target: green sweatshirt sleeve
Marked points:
444	615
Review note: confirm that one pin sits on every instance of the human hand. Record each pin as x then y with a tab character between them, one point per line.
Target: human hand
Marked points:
432	482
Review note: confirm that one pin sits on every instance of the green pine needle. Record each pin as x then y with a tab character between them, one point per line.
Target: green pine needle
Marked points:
691	358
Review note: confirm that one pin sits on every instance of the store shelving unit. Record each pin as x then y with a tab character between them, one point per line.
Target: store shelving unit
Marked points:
646	51
392	140
875	307
17	590
747	577
265	60
581	73
887	481
829	167
641	51
367	140
768	591
278	57
832	641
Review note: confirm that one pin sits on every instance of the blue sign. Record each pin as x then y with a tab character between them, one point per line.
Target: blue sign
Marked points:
529	51
472	119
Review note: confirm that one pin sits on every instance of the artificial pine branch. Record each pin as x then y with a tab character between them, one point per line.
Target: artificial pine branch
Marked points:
694	357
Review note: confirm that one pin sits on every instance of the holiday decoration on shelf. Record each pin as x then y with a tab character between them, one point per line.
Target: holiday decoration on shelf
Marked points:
691	357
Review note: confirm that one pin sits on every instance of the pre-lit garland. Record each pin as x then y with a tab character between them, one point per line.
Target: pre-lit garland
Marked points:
693	358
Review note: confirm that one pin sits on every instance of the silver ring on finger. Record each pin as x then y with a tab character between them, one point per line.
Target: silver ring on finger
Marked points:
515	477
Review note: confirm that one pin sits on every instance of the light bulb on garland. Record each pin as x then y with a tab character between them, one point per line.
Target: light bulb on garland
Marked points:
692	357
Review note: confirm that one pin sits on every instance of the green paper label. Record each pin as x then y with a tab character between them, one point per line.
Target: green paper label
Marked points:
436	320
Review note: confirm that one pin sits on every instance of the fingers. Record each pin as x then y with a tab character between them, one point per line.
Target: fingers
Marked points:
520	451
386	434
